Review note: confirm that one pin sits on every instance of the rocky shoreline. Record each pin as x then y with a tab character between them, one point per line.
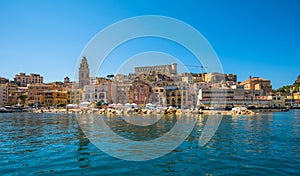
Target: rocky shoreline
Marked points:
170	110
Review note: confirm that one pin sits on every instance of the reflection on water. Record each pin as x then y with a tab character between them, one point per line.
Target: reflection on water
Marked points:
267	144
131	127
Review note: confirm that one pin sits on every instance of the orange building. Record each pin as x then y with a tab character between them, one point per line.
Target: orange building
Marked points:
35	92
261	85
139	93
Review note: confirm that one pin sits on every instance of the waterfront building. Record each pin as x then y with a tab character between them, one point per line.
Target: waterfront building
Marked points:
140	93
84	73
102	91
22	79
278	101
12	90
173	94
109	87
123	92
74	96
239	92
296	98
191	96
94	93
35	92
163	69
22	94
53	98
3	94
158	96
38	100
10	94
257	86
214	94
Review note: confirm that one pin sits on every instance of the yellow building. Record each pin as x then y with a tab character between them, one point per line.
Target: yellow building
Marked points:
35	91
55	98
296	96
74	96
12	96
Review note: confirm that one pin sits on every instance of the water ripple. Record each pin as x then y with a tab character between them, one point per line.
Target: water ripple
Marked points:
50	144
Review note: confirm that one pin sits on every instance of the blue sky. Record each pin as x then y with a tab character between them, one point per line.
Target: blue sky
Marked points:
258	38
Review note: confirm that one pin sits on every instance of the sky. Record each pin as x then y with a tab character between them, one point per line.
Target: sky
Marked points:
257	38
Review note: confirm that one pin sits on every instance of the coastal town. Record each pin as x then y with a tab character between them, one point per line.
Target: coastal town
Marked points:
150	87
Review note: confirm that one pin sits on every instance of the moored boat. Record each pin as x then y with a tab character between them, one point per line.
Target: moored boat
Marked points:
4	110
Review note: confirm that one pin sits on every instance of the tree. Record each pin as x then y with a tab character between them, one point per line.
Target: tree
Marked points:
61	105
22	98
296	87
110	76
284	89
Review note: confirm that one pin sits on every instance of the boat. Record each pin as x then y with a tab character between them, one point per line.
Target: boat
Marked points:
4	110
15	108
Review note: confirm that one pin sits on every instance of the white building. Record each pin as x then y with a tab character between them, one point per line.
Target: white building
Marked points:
94	93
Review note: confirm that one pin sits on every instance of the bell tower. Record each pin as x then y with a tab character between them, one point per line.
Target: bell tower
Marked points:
84	73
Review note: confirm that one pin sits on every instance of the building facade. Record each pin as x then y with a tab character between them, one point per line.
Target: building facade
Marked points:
139	93
3	80
123	92
158	94
3	94
260	86
55	98
162	69
102	91
84	73
215	77
35	93
22	79
12	93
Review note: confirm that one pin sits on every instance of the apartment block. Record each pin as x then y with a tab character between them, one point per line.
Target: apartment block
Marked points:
22	79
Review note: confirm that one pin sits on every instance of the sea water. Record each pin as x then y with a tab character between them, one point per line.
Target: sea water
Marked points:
54	144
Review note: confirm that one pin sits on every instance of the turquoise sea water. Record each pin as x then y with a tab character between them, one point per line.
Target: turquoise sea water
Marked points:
54	144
